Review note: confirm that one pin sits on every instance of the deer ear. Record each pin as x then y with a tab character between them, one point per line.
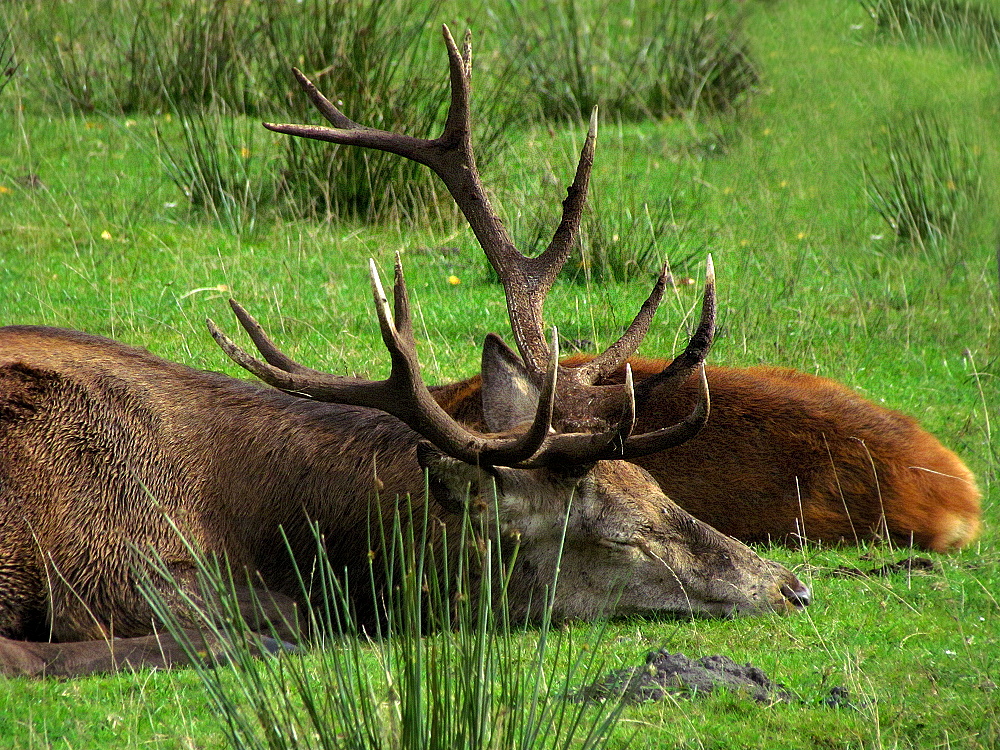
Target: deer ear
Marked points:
509	396
454	484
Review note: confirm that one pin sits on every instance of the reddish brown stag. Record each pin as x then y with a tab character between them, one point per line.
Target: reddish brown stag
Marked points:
789	457
110	456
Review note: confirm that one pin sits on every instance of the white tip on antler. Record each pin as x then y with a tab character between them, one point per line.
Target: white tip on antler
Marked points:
709	270
382	308
630	395
592	132
553	365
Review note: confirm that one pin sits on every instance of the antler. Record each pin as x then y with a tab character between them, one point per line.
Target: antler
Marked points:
527	281
403	394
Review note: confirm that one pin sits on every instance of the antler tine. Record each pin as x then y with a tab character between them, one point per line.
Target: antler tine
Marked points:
265	346
403	394
612	358
668	437
326	108
556	254
696	350
458	124
628	413
346	131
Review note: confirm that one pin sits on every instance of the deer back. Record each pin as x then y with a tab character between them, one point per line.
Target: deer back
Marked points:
106	449
787	455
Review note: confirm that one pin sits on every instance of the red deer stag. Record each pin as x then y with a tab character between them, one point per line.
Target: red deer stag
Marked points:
789	456
786	456
110	456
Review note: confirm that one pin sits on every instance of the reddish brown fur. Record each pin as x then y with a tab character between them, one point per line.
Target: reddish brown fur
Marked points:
786	455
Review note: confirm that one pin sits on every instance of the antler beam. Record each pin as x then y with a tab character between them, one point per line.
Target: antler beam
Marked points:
403	394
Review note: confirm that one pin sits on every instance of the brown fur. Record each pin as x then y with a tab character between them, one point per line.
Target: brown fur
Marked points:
106	451
786	455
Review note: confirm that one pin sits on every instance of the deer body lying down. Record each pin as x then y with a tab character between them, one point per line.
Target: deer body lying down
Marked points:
787	456
107	451
102	446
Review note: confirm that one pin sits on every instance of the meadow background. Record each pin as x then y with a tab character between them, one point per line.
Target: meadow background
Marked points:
839	159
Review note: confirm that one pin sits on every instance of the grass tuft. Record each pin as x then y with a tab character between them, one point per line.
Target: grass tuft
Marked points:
396	74
444	669
680	57
961	24
922	180
216	168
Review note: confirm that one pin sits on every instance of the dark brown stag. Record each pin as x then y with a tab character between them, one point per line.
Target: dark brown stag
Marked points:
109	455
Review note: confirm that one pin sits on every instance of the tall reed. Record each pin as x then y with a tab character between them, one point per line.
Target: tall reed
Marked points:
446	668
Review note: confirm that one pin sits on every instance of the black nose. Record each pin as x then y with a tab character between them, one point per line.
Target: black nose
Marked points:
797	594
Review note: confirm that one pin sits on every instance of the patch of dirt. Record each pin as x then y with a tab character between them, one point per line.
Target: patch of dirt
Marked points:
666	674
675	674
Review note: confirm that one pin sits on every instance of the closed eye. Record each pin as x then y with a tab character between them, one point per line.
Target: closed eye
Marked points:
619	544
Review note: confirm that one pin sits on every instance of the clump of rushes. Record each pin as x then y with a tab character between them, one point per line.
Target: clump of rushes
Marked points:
445	670
921	179
698	59
964	25
373	59
218	162
157	54
679	57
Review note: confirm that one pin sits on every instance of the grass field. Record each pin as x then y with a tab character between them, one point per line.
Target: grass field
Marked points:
96	235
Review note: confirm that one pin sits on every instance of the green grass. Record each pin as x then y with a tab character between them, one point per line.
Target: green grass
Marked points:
809	277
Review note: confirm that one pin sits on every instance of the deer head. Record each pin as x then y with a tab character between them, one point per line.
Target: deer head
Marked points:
554	432
625	546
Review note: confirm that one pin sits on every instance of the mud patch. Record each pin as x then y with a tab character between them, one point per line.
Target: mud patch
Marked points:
674	674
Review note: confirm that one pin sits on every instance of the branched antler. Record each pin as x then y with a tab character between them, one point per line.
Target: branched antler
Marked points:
403	394
527	281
